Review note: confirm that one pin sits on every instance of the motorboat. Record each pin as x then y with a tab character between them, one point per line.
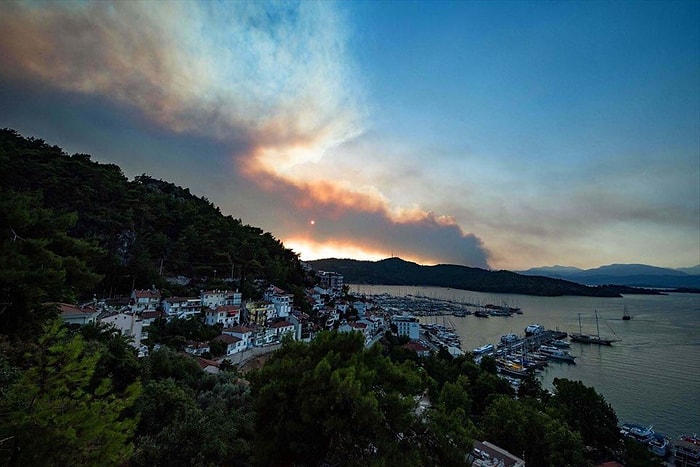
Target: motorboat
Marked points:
484	350
659	445
559	343
534	329
638	433
557	354
509	339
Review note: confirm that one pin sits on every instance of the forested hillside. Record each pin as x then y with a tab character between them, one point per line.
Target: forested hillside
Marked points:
395	271
90	230
72	228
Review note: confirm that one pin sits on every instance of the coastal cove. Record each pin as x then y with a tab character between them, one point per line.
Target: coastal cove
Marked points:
651	376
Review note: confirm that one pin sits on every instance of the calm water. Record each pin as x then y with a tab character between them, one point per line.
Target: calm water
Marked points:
651	376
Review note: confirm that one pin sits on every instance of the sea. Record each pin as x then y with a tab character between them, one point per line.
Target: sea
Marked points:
650	376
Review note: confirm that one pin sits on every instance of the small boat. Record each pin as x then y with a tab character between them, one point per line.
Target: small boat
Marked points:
560	344
484	350
557	354
509	339
659	445
625	314
534	329
481	314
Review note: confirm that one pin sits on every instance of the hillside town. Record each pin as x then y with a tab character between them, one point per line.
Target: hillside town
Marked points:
250	329
247	327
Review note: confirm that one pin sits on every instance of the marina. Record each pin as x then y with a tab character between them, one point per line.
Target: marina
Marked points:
658	350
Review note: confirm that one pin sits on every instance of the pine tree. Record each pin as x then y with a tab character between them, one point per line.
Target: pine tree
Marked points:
51	416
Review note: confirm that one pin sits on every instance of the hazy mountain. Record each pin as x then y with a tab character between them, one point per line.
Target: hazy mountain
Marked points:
693	271
635	275
395	271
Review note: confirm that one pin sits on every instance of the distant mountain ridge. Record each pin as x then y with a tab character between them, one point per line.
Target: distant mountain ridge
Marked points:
395	271
633	275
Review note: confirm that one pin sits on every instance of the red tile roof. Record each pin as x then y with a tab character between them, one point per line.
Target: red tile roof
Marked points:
281	324
203	362
239	329
229	339
67	309
147	293
229	308
415	346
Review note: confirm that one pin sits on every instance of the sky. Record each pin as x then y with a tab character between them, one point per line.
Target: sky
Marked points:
492	134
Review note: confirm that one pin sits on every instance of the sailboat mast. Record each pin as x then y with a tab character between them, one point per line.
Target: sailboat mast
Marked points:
597	328
580	331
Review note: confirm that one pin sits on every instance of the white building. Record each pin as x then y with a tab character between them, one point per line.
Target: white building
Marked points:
284	327
182	307
145	299
216	298
406	325
281	300
356	327
233	343
129	324
75	315
244	333
226	315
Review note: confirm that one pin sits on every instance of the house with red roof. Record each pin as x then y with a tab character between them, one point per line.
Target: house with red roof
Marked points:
284	327
145	299
226	315
233	344
72	314
244	333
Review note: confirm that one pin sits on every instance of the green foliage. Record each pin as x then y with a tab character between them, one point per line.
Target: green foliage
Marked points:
142	226
41	262
53	416
587	412
190	418
165	363
217	348
118	360
333	401
176	332
638	455
531	434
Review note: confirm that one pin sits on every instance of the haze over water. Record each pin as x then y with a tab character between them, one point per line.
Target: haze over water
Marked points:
651	376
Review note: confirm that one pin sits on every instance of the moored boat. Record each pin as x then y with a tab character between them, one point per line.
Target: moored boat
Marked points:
686	451
484	350
587	338
560	344
511	369
638	433
659	445
509	339
534	329
557	354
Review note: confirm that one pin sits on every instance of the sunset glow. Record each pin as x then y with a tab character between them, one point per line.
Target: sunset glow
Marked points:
501	135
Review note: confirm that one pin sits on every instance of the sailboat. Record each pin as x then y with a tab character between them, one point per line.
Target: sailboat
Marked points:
587	338
625	314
